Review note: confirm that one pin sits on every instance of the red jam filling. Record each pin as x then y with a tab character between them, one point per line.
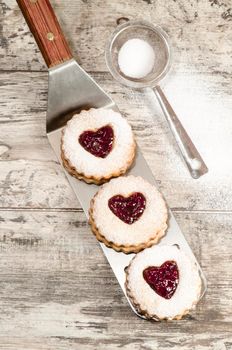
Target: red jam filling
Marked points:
128	209
99	143
164	279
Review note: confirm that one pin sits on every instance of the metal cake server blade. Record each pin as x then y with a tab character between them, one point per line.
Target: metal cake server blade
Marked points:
71	89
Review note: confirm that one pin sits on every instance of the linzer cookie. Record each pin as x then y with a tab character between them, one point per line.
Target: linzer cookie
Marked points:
128	214
163	283
97	145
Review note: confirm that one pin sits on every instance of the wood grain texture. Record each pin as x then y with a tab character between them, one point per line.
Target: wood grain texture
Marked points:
28	158
55	282
46	30
56	289
199	30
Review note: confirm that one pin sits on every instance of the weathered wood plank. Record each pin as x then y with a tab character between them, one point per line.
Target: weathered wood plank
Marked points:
56	288
31	177
199	30
55	282
173	341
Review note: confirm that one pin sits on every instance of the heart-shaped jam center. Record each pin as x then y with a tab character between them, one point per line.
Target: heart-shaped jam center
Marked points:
99	143
128	209
164	279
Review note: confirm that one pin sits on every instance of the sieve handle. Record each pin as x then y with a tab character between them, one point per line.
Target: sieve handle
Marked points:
191	156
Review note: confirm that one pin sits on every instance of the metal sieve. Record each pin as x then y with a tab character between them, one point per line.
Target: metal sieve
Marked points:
158	39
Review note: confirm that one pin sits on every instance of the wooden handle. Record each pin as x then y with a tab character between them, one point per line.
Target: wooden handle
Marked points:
44	26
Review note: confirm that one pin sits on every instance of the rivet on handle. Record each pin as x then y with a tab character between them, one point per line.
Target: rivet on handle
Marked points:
50	36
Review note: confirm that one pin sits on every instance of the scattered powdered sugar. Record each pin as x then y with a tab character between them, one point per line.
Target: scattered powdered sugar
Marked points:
85	162
146	227
187	292
136	58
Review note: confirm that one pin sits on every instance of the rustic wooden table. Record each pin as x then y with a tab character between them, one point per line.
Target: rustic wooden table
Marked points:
56	288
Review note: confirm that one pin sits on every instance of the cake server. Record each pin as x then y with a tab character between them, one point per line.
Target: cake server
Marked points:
70	90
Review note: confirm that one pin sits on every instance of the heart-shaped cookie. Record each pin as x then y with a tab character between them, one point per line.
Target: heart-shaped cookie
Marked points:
163	279
99	142
128	209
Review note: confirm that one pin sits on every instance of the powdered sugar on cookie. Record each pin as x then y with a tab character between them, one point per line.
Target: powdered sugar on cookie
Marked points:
149	224
146	300
120	156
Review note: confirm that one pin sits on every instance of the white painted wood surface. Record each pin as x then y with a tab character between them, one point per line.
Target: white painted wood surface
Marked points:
56	289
